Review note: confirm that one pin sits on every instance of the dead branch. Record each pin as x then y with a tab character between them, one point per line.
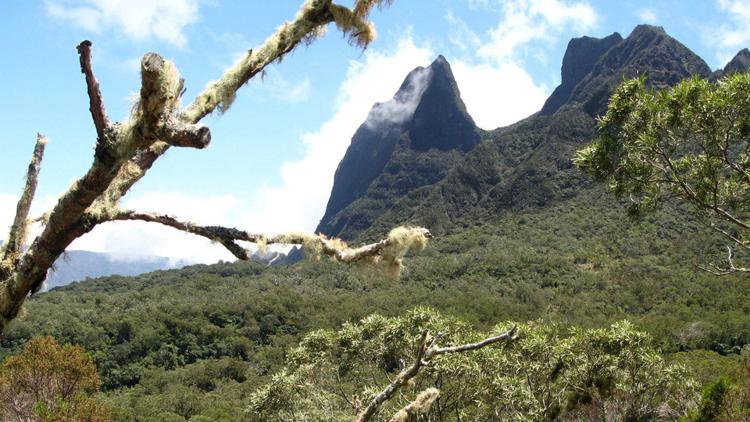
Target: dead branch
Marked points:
228	236
179	134
425	353
96	104
17	235
731	269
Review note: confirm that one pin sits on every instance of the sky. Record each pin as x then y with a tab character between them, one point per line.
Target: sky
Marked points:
273	155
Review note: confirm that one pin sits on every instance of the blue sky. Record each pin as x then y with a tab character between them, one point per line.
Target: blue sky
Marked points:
270	165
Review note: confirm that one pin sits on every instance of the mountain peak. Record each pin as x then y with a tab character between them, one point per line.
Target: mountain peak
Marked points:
440	119
649	51
593	67
580	57
425	114
648	30
740	63
441	65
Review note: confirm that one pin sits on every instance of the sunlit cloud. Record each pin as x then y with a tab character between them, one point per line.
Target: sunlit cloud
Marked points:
164	20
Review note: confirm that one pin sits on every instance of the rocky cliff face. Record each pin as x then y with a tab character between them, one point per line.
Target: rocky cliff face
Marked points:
649	51
405	143
580	57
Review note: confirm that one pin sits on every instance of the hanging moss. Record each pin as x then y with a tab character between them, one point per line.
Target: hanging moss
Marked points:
420	405
311	243
360	31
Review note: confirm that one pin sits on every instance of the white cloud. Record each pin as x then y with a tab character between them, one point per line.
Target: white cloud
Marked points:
461	35
401	106
734	35
525	21
498	95
647	16
8	203
300	200
139	20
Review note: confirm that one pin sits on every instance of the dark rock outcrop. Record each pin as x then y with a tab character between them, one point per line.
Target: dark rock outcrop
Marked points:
740	63
405	143
580	57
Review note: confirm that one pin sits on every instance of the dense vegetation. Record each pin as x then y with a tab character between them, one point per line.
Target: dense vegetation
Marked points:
690	142
200	340
549	373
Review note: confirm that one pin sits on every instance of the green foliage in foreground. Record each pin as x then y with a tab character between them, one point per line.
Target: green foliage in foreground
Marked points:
50	382
691	142
549	372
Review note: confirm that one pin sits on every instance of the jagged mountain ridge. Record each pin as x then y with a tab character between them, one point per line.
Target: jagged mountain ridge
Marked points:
528	164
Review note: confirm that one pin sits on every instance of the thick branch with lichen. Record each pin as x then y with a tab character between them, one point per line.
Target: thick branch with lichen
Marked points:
388	251
419	406
426	351
126	151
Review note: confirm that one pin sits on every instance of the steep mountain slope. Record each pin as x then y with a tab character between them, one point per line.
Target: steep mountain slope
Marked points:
580	57
405	143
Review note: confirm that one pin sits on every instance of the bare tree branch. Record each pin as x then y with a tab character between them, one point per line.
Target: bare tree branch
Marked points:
96	105
425	353
473	346
17	235
731	269
228	236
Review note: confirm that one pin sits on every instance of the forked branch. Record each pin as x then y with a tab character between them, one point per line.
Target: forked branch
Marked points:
126	151
730	269
426	351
